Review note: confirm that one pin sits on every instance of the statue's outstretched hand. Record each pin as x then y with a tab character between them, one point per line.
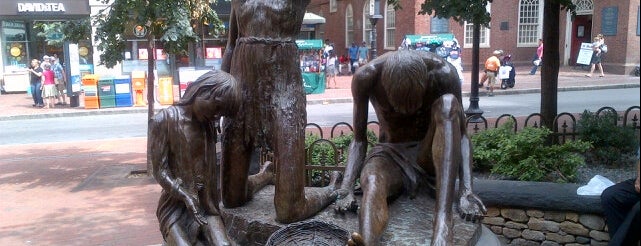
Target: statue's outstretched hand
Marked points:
345	202
471	207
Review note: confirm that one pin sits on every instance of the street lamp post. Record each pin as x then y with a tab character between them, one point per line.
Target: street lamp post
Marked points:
373	19
473	110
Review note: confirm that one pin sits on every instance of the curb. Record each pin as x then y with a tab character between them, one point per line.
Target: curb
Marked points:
112	111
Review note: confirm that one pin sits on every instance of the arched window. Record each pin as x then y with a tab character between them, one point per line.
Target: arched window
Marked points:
349	25
367	24
390	28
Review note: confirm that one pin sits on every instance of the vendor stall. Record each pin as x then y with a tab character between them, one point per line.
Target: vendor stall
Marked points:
431	42
310	52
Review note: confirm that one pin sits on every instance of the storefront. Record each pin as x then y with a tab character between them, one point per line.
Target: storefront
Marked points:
20	42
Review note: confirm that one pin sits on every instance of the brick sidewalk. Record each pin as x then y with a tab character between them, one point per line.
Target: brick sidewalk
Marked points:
77	193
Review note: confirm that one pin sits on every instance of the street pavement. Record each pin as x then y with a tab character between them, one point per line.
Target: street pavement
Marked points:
89	192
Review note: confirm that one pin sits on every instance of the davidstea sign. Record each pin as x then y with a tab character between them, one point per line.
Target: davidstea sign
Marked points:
40	7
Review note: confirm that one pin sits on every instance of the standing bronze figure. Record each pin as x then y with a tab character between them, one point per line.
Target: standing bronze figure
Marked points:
262	55
181	148
417	99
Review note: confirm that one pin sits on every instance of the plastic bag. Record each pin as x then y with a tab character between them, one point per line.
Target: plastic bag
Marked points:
595	187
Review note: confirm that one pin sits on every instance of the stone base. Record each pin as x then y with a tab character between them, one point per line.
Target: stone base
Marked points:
410	221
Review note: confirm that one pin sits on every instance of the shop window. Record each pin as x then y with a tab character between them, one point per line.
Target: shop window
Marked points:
530	23
390	27
14	40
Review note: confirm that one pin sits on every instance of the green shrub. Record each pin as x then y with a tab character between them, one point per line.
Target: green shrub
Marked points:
611	144
525	156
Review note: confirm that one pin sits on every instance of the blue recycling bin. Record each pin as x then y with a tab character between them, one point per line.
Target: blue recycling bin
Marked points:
124	97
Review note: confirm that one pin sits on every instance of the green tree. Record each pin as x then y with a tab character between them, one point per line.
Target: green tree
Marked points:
167	21
72	30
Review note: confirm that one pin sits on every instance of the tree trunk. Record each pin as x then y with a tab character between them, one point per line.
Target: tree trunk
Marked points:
151	64
550	67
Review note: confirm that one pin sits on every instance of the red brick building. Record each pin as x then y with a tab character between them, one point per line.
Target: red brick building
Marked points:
516	27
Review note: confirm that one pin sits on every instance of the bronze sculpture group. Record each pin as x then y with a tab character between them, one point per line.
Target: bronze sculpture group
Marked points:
416	96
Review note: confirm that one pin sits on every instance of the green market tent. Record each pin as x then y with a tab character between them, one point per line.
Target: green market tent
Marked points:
429	38
309	44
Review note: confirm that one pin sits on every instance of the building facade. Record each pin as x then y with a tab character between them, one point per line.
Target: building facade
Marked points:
515	28
20	42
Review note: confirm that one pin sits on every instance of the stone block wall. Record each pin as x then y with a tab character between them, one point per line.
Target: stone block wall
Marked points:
524	227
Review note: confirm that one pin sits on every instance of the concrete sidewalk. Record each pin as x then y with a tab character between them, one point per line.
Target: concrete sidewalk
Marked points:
18	105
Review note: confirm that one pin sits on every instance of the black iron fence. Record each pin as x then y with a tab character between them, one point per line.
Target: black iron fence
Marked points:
324	155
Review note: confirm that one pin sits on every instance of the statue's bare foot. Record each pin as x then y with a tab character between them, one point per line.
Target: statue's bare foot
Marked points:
345	203
471	207
356	240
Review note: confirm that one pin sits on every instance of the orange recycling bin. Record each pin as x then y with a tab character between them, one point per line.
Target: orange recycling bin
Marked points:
165	91
138	84
90	87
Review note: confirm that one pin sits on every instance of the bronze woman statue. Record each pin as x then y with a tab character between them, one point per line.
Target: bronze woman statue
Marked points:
181	149
262	55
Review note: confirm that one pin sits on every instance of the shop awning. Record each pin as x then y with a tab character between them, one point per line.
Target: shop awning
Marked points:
431	38
311	18
309	44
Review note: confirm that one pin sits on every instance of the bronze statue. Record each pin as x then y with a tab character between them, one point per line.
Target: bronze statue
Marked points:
262	55
181	144
417	98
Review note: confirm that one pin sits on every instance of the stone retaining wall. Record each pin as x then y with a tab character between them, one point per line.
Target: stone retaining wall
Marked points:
525	227
540	213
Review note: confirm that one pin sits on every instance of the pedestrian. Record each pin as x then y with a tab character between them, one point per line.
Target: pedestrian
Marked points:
363	54
330	69
620	204
45	60
492	65
60	80
35	72
182	152
454	58
597	55
49	91
353	57
537	60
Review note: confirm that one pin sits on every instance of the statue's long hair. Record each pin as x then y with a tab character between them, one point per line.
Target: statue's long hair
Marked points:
217	85
404	78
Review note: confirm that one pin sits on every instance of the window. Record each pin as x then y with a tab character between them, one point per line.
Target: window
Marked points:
333	7
530	23
367	24
349	25
390	27
484	33
439	25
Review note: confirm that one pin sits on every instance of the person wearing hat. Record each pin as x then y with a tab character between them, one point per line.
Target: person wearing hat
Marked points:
45	60
60	80
492	66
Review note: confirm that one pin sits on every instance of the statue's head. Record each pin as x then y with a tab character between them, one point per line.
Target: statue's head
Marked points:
214	93
404	77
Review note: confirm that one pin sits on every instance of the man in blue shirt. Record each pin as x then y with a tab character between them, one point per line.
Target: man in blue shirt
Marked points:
353	56
363	54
